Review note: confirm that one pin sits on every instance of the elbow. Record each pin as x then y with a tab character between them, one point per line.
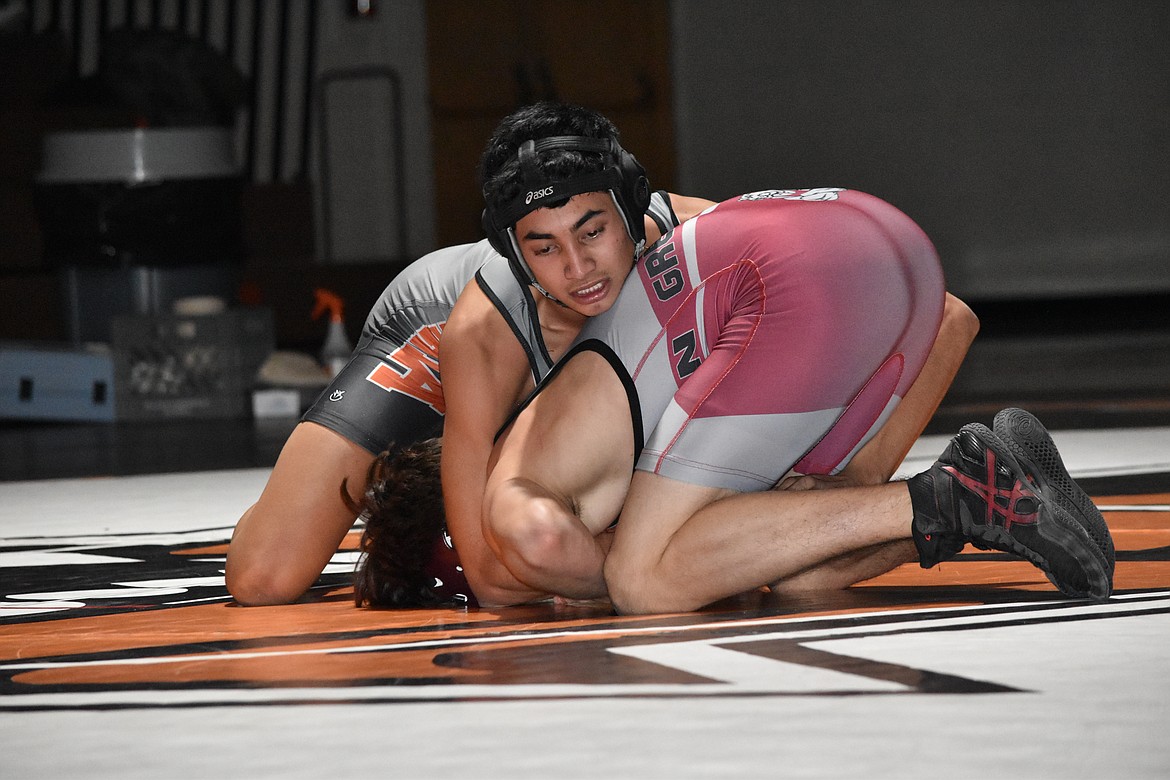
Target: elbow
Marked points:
490	597
253	586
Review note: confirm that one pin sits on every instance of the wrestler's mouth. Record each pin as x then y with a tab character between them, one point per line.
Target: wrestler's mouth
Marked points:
593	292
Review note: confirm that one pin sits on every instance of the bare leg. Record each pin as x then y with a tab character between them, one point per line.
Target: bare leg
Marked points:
282	543
679	546
849	569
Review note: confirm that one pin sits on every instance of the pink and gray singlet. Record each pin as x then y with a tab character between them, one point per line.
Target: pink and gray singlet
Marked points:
775	332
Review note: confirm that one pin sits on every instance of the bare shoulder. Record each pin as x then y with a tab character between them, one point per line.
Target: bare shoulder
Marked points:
686	207
472	311
475	325
479	356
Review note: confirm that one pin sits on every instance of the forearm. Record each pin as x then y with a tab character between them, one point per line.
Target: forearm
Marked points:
877	461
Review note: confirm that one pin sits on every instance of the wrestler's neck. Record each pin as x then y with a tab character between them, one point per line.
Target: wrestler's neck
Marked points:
559	325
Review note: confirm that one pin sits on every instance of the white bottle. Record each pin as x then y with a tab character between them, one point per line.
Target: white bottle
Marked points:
335	353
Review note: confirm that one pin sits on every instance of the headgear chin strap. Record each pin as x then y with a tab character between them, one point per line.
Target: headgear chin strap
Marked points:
622	177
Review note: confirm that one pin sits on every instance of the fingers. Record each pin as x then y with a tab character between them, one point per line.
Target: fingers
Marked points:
813	482
805	482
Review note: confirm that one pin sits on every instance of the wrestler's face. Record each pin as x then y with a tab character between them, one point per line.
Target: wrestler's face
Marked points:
579	252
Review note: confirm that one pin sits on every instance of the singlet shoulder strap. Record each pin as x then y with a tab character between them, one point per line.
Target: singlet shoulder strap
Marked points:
661	212
511	297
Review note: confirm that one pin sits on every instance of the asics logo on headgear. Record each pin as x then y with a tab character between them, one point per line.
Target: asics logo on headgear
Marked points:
537	195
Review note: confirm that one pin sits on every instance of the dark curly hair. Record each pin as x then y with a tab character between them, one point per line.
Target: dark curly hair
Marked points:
499	170
403	508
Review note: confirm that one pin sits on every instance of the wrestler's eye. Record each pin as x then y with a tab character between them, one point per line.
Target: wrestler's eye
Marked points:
542	251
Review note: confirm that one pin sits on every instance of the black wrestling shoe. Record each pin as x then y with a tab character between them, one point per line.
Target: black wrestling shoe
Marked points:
991	493
1029	441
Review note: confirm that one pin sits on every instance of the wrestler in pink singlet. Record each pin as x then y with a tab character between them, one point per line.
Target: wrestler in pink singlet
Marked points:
775	332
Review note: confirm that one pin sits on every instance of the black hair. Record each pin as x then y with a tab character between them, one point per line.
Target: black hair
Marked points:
499	168
403	509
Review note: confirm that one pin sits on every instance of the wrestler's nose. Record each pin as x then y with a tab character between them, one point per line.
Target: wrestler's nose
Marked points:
578	263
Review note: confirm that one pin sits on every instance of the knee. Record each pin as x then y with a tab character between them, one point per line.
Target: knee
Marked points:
623	592
959	314
637	588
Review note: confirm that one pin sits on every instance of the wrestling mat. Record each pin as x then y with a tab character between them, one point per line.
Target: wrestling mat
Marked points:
121	655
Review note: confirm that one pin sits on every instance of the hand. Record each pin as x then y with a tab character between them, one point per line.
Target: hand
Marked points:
816	482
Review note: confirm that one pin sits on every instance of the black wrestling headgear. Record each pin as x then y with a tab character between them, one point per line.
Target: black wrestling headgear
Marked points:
623	177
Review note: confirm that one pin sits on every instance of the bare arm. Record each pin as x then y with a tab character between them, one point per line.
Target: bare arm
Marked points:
539	538
484	371
560	479
681	546
686	207
286	538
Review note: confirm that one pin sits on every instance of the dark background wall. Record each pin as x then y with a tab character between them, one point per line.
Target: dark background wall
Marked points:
1030	138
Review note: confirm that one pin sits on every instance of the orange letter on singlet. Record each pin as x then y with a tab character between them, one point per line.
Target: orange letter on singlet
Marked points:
413	369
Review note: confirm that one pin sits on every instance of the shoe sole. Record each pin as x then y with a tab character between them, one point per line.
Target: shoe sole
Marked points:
1030	441
1030	444
1055	524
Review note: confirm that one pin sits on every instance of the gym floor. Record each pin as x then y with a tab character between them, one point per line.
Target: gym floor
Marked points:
121	654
